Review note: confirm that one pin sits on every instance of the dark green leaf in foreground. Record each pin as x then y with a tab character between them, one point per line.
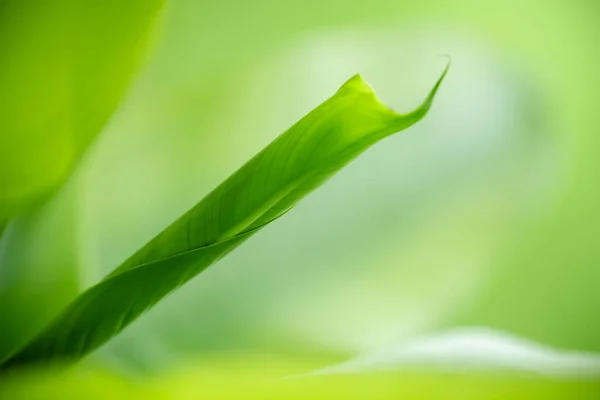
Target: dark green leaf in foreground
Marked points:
265	188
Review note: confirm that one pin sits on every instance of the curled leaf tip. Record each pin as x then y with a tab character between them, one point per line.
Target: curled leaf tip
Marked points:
435	88
404	120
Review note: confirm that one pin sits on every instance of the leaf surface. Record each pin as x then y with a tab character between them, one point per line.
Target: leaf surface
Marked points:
262	190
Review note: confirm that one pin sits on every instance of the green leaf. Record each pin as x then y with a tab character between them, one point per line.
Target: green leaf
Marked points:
64	69
265	188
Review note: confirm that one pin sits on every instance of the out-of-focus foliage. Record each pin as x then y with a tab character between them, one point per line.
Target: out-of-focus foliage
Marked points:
255	377
492	220
65	67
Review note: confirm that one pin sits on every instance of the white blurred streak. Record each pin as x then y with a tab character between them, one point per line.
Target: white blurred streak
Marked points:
475	349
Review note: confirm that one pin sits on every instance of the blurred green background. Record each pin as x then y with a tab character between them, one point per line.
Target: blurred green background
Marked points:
483	214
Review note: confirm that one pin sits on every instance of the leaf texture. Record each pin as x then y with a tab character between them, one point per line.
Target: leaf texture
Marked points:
262	190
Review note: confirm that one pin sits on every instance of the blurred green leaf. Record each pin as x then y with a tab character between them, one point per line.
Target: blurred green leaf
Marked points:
68	65
260	377
265	188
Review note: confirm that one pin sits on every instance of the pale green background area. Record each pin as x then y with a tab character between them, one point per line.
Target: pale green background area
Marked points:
483	214
464	219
